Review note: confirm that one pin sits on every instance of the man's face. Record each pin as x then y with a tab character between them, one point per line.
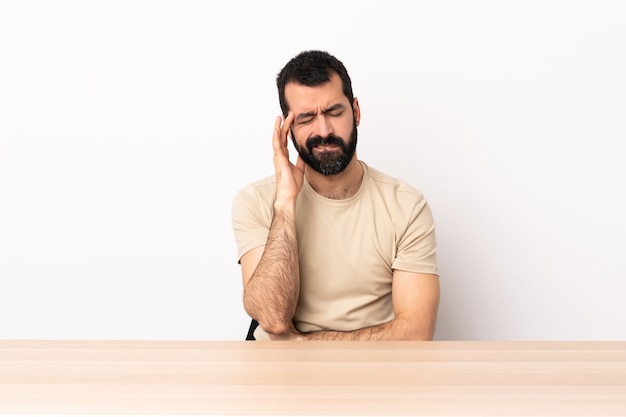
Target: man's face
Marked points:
324	130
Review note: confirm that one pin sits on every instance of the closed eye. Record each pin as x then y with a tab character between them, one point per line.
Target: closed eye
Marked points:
304	118
335	110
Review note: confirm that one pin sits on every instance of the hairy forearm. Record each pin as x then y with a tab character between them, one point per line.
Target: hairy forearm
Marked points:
396	329
272	293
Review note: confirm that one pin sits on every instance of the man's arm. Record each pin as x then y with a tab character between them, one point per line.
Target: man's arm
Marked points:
271	274
415	305
271	278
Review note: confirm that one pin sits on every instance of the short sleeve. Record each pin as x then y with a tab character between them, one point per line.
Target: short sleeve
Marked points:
417	245
251	216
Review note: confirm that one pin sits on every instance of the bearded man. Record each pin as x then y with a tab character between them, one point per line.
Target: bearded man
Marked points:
329	247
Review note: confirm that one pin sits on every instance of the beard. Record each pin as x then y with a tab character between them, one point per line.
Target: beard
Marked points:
328	162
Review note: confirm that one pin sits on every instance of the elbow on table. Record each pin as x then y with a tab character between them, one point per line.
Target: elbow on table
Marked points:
274	324
276	328
270	323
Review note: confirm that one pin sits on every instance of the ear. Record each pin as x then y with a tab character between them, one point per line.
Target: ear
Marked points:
356	110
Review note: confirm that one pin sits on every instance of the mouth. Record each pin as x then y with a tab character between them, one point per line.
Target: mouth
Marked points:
326	148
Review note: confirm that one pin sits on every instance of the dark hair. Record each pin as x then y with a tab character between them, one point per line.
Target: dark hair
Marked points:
312	68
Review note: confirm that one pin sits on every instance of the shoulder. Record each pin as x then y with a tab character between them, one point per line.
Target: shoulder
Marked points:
389	185
259	187
258	190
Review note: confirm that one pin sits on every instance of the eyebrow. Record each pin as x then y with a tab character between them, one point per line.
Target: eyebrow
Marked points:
332	108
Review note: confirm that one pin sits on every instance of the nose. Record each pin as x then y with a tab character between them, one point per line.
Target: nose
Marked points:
323	126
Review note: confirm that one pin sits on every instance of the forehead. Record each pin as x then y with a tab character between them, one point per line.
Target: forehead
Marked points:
304	98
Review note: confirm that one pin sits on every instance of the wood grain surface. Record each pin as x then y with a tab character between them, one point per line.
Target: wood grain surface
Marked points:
313	378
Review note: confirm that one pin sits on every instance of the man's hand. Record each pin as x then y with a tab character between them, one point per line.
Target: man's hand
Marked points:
289	177
271	273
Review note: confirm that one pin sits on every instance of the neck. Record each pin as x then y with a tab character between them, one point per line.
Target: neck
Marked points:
340	186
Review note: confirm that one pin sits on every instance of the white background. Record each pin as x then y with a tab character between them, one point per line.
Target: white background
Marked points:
126	127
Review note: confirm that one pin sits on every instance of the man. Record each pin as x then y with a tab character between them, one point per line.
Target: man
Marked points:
330	248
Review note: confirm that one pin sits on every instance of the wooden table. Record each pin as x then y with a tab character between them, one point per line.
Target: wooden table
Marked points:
313	378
